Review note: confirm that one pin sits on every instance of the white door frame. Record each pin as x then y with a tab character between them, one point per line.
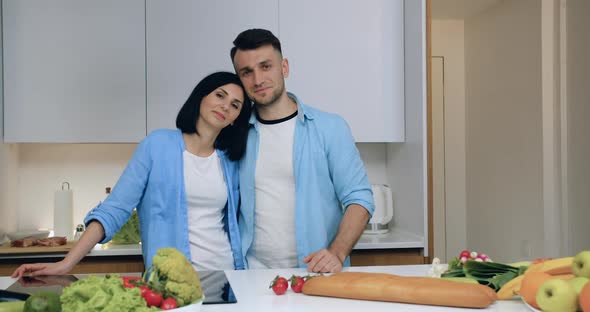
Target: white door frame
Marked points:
438	159
553	80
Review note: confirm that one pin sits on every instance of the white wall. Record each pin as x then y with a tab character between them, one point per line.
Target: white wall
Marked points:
578	127
89	168
448	42
504	134
374	156
8	187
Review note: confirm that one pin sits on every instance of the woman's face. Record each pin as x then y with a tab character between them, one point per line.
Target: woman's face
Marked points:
221	107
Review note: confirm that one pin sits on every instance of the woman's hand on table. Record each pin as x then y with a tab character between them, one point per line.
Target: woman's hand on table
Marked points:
47	280
37	269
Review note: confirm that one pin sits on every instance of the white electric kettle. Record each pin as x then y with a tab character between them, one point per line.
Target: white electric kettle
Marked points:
383	210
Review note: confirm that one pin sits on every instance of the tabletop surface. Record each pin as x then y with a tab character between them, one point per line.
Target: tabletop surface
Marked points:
251	287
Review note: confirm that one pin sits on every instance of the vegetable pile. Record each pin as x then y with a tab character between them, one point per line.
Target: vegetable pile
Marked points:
172	283
482	269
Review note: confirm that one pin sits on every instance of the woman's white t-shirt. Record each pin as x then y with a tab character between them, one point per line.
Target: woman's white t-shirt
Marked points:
206	197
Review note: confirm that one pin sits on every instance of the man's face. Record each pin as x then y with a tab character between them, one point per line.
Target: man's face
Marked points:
263	72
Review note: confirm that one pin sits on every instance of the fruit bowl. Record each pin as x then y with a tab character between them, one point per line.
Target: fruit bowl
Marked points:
191	307
530	306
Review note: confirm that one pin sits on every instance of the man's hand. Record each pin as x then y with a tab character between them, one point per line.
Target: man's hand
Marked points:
323	261
350	229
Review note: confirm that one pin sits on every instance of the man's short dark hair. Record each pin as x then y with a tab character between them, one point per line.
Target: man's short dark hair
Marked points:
253	39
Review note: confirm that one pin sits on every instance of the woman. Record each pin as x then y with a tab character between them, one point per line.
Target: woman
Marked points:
183	182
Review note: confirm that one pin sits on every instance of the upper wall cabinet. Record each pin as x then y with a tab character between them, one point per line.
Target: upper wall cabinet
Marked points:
74	71
186	40
347	57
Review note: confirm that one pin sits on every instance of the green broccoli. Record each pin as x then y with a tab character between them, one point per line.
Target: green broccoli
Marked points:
174	276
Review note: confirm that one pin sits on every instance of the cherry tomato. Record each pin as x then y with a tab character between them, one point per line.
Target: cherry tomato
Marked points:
130	281
169	304
143	289
151	297
296	283
279	285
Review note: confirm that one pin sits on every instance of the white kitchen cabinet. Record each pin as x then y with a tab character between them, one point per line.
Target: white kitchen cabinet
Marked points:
186	40
347	57
74	71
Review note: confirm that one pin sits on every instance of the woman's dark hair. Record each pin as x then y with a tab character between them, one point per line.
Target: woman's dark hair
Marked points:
231	139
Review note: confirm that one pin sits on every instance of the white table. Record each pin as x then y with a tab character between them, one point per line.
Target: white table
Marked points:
253	294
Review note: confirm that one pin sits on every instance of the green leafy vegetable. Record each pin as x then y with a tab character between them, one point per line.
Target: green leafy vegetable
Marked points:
491	274
129	233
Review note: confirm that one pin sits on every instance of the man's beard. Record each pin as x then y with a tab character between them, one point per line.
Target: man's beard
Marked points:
274	97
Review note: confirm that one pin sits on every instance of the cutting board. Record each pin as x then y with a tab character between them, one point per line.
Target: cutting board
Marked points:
5	249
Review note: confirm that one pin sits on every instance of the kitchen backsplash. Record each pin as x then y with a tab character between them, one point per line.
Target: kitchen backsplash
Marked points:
89	168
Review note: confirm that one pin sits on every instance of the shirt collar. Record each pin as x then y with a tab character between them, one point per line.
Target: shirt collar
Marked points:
302	111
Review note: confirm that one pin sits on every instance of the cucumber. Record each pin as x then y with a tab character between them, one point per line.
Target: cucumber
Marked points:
12	306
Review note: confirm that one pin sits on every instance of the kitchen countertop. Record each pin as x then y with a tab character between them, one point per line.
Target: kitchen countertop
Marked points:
394	239
253	294
98	251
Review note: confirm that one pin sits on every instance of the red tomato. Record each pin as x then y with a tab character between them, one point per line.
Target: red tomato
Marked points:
151	297
169	304
129	281
279	285
296	283
143	289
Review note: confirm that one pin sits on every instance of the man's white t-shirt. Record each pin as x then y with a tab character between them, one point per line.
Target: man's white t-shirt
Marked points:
206	196
274	244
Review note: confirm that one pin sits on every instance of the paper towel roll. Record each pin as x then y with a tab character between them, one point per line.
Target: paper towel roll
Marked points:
63	213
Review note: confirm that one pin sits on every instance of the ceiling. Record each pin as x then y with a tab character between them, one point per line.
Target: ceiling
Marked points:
459	9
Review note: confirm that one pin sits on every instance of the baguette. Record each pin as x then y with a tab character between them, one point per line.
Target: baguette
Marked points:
394	288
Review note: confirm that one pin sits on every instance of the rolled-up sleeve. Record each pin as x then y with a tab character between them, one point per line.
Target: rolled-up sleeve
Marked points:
116	209
346	167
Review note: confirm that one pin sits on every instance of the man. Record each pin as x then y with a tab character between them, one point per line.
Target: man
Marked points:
305	196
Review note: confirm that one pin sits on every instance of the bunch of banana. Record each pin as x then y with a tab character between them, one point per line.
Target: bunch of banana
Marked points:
559	266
